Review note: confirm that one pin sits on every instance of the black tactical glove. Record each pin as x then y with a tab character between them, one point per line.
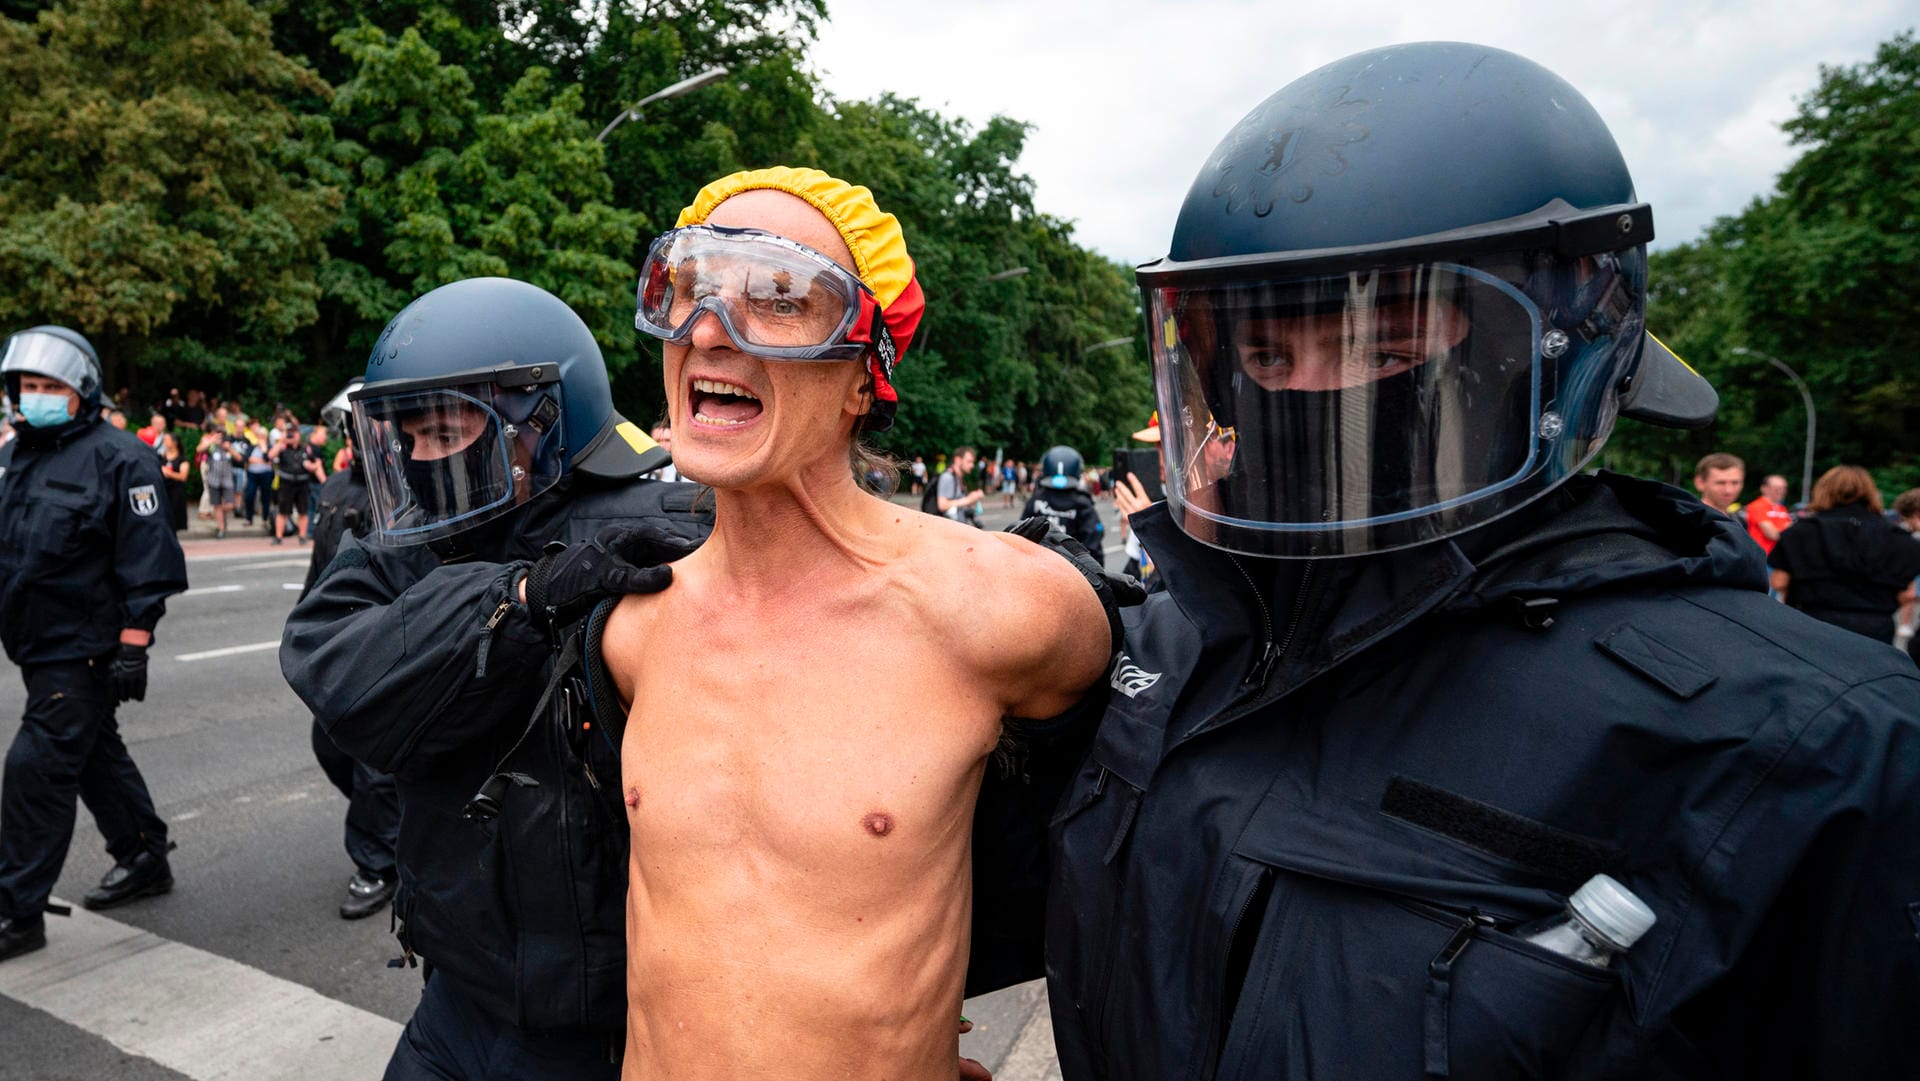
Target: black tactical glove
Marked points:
127	673
1116	591
564	585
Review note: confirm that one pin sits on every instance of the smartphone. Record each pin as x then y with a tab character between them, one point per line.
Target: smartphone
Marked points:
1142	463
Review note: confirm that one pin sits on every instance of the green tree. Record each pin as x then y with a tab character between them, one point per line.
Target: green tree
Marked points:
1818	274
999	362
442	190
154	192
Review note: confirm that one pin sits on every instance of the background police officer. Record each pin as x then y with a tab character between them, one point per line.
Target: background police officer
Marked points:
487	433
1059	498
1417	677
87	562
373	800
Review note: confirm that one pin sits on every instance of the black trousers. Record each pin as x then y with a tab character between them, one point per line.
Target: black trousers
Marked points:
373	806
68	746
451	1039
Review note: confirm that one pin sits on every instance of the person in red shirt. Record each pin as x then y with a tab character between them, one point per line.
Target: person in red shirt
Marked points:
1768	516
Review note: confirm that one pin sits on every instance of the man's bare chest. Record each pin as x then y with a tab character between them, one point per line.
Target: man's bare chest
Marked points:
817	740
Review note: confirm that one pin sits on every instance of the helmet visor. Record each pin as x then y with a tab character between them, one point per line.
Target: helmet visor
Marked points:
442	459
34	353
1349	413
776	298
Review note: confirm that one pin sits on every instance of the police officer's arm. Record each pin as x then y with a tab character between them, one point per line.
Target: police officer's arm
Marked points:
399	676
148	564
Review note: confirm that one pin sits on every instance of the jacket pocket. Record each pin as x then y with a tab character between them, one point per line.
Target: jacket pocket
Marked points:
1362	968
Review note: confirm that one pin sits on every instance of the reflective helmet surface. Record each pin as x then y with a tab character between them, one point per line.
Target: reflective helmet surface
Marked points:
1061	467
57	353
1404	296
478	396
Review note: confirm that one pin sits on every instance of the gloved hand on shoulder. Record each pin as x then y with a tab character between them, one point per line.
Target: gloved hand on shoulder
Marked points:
566	583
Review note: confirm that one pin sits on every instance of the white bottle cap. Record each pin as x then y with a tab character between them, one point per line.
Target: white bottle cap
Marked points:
1613	910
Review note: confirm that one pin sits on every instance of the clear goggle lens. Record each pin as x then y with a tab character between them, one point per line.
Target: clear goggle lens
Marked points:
774	297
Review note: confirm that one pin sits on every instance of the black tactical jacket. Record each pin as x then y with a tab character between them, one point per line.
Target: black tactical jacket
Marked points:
427	670
345	508
1303	860
1072	512
85	545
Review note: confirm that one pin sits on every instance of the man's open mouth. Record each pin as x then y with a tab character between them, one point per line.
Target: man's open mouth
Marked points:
723	404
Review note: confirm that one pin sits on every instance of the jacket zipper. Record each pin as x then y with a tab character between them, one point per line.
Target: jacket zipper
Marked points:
1262	665
1438	1023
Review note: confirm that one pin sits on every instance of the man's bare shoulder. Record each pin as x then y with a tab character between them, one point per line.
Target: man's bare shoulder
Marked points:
1017	612
623	639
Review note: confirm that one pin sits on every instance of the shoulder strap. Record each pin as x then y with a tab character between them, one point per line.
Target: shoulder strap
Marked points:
603	698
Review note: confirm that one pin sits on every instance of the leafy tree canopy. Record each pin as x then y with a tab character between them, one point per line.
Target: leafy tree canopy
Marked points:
1818	274
153	192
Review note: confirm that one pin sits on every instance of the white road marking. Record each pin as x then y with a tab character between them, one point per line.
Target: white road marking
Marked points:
194	1012
293	585
212	589
207	655
272	564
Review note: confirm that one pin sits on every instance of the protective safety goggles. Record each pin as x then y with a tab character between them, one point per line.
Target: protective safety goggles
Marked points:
776	298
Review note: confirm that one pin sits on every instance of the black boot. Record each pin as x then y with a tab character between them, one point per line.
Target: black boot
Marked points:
145	875
366	895
19	935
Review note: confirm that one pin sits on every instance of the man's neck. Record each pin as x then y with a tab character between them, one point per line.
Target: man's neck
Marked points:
818	521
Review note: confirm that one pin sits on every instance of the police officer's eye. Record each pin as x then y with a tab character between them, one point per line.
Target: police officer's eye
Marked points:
1266	358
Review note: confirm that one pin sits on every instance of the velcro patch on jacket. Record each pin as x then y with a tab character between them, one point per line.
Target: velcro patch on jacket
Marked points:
1665	665
1553	851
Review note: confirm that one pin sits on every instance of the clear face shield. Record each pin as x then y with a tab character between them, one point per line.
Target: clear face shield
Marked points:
444	455
1368	410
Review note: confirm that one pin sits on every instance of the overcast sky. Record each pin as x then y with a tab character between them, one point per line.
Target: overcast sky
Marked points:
1127	97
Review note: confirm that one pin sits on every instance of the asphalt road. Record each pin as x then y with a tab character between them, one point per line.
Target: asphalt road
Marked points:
259	873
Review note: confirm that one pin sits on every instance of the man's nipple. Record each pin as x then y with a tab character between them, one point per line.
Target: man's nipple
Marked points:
879	823
633	797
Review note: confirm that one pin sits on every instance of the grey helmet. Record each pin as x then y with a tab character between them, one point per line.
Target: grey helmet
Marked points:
57	353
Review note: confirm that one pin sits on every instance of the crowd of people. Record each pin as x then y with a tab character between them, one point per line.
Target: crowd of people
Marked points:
1844	557
224	464
1012	480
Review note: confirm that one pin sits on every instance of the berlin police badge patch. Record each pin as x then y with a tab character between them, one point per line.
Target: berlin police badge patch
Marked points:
144	499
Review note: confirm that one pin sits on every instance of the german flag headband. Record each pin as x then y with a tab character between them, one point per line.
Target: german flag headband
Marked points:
879	257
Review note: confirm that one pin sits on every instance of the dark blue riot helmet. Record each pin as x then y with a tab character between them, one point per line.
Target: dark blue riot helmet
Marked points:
1061	467
1404	297
479	396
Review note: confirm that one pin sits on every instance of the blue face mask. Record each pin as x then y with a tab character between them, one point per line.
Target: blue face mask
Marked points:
44	410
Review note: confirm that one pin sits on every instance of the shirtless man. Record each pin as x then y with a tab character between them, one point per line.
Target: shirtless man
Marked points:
800	892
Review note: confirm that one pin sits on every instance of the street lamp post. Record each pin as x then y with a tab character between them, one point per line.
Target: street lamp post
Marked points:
684	86
1806	399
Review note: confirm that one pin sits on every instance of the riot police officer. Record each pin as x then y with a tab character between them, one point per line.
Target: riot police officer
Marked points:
507	496
1417	678
373	800
1059	498
87	562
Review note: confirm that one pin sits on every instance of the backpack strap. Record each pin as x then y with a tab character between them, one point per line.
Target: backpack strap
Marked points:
603	697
